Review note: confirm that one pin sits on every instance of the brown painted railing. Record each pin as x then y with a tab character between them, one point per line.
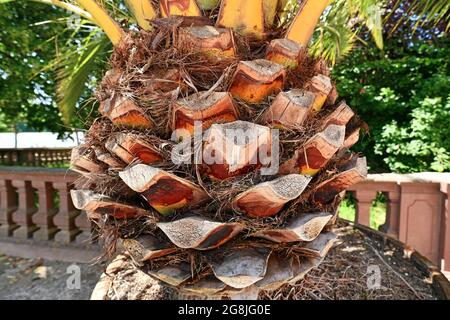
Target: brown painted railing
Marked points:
418	210
35	204
34	157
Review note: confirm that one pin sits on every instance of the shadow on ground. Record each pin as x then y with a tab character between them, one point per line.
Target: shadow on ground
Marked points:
37	279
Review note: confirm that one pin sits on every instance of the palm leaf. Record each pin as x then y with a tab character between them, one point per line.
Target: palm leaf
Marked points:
73	70
335	35
431	11
333	38
369	13
61	4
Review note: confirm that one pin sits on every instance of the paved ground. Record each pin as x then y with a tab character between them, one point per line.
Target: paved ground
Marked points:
37	279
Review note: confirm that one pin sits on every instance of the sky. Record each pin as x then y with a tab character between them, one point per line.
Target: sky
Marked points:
38	140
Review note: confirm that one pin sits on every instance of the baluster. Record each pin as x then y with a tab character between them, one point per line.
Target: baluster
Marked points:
65	218
25	210
13	157
21	158
35	157
447	231
39	158
60	158
85	226
8	204
30	157
364	200
392	224
44	217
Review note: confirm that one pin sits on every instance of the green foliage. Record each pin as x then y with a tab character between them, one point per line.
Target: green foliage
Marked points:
333	39
40	53
25	48
425	12
403	95
423	144
73	71
340	25
369	13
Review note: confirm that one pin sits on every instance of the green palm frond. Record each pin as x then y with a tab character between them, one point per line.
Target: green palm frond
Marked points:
116	9
73	69
430	11
333	38
338	29
70	7
370	14
288	10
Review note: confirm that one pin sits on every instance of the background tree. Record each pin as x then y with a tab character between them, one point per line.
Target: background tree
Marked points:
39	46
403	93
25	48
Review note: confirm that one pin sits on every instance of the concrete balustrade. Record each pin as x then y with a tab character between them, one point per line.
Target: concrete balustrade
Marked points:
36	157
28	210
46	228
417	210
35	205
446	231
8	204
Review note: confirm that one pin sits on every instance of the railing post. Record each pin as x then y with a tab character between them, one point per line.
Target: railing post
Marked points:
8	204
364	200
421	217
446	248
44	217
13	157
392	224
26	208
21	158
65	218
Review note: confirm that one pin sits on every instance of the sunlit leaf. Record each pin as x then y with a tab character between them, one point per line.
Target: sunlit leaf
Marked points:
73	70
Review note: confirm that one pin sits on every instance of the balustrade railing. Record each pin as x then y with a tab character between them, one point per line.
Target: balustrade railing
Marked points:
35	204
34	157
417	214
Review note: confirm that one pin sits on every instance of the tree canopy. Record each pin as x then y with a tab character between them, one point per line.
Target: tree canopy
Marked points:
26	48
404	95
33	39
